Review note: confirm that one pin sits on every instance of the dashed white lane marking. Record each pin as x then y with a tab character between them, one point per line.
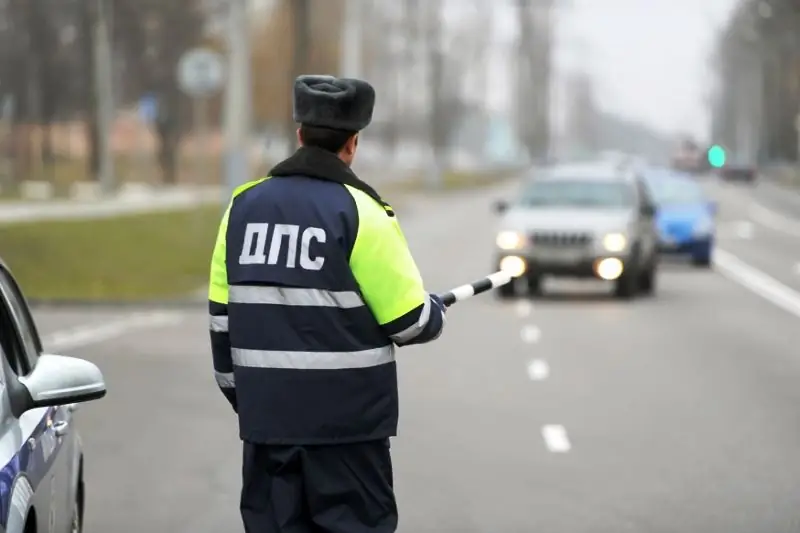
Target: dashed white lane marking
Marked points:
530	334
87	335
538	370
555	438
774	221
744	230
524	309
758	282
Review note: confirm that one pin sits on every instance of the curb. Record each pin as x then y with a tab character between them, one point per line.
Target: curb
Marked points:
187	302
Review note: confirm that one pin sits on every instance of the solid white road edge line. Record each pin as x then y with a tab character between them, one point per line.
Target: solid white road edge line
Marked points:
757	282
89	334
744	230
538	370
555	438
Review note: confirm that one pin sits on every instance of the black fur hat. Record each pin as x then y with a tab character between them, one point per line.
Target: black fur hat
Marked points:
336	103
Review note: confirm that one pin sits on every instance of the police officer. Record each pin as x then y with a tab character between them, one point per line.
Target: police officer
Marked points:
312	287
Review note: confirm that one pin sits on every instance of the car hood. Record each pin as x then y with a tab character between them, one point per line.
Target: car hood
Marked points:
518	219
687	213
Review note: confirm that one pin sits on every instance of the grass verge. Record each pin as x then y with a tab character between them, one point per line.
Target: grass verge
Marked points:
129	258
152	256
451	181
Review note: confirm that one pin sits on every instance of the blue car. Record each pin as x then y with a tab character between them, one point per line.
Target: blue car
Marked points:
685	217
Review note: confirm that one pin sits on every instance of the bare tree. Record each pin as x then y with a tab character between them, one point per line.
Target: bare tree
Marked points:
46	56
151	36
450	56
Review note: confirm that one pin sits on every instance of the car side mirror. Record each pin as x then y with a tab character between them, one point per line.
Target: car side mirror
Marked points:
500	206
58	380
648	210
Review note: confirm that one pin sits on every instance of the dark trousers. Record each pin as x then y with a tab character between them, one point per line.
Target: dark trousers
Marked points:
346	488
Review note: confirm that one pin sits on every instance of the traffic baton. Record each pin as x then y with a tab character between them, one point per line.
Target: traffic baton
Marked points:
492	281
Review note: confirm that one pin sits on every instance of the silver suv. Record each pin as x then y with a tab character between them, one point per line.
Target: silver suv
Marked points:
586	221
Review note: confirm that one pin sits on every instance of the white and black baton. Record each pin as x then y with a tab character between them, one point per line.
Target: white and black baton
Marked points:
492	281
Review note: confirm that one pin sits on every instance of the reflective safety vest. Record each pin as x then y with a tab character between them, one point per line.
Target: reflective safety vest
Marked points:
312	286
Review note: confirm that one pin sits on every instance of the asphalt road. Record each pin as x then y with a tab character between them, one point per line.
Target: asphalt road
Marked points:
574	413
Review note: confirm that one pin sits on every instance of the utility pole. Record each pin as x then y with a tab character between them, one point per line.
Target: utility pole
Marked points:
436	66
545	76
238	102
487	13
352	30
105	95
534	66
410	27
301	18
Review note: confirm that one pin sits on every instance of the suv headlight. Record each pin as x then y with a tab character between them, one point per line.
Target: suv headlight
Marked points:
704	226
510	240
615	242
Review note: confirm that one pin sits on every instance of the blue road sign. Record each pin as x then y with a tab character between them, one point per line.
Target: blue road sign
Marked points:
148	108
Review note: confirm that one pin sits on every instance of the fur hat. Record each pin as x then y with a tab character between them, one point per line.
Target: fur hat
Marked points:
336	103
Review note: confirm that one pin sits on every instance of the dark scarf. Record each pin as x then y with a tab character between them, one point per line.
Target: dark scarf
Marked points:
323	165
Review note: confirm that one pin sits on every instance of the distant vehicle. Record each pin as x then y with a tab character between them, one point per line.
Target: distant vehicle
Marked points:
41	482
685	216
688	158
738	168
585	221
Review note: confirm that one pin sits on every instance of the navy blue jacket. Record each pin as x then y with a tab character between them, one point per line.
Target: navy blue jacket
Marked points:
304	332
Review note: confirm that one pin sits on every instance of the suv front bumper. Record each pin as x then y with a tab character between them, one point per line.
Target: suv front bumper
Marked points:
585	266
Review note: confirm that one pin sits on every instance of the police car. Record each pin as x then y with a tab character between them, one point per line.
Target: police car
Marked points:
41	481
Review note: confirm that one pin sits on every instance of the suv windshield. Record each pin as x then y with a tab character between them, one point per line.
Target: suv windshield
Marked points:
571	193
676	192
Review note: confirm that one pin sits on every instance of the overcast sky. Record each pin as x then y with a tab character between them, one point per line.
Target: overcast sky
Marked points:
648	57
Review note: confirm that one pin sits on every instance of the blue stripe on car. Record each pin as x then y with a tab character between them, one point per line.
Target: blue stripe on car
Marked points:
32	461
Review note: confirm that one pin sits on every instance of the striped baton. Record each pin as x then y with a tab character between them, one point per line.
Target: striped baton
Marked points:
492	281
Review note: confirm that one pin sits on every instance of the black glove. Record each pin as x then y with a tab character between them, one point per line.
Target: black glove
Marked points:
438	302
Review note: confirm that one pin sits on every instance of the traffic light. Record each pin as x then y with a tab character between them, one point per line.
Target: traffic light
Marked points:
716	156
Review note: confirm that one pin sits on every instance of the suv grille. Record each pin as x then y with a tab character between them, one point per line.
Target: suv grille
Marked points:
560	238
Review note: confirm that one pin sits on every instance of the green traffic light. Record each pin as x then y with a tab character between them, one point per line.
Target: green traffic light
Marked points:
716	156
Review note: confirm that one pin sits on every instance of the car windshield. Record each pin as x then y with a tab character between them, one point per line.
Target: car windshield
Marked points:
670	191
575	193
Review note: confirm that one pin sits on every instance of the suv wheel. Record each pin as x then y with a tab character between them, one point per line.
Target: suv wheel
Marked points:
628	283
507	291
647	279
702	261
534	284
